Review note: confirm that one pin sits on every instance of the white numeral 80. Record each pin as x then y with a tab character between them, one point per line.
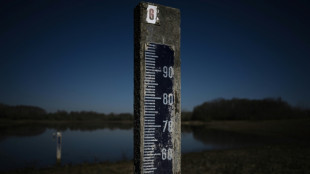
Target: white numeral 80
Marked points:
167	99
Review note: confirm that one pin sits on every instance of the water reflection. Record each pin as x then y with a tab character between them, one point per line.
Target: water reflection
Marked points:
221	139
21	130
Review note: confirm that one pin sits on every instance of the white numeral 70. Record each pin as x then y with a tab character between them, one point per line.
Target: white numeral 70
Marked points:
168	124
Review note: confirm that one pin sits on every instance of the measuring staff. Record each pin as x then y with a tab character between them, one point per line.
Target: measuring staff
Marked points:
157	102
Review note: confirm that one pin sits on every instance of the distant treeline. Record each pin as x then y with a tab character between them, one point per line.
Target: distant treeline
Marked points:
245	109
36	113
219	109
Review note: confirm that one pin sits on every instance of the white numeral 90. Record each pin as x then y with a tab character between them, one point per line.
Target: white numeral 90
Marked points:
168	72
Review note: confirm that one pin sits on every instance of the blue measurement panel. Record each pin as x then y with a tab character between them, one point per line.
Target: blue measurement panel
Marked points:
158	109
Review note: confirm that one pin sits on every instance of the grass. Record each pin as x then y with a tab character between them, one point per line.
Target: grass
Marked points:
280	159
97	168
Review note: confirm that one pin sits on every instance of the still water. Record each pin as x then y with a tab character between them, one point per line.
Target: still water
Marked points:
35	146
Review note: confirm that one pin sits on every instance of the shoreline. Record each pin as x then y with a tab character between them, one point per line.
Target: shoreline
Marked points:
131	121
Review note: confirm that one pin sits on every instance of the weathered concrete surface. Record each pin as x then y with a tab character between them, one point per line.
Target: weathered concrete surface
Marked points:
166	31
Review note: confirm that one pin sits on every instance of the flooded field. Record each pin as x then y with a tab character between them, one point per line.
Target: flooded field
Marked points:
34	145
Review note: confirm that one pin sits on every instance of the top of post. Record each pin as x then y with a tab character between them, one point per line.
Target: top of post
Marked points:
174	13
160	24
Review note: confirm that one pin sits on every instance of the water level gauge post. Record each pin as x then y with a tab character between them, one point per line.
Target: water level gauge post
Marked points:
157	97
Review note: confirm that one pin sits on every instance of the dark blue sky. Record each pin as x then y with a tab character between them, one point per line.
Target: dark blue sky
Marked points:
78	55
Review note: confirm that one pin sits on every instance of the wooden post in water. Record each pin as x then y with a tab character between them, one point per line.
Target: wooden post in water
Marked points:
157	84
58	147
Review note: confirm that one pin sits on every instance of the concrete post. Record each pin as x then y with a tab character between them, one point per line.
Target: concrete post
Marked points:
157	84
